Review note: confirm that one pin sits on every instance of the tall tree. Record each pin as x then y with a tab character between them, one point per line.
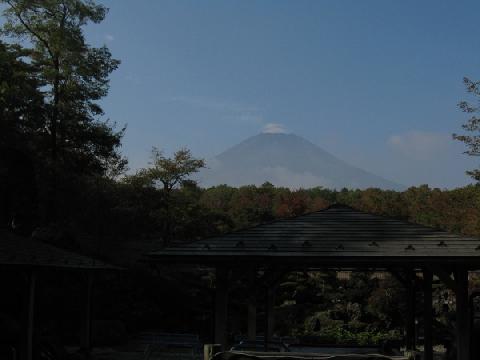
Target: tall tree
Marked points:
21	102
74	77
21	120
472	125
168	174
171	172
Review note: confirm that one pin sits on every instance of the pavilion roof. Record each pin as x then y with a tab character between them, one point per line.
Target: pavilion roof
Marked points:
22	251
338	235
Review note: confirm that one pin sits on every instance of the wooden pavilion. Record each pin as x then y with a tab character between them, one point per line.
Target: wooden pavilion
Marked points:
340	237
33	258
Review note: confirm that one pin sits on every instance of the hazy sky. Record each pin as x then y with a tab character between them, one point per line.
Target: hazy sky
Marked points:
374	82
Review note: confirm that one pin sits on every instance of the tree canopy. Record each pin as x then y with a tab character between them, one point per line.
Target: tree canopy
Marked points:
21	101
63	78
168	174
74	76
472	142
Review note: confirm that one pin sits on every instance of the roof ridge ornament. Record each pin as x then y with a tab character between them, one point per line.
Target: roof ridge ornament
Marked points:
410	247
442	243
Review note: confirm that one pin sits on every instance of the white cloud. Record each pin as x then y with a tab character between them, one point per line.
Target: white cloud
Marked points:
109	37
420	145
274	128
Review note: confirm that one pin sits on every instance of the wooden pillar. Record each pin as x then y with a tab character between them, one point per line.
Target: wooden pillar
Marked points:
27	353
410	340
86	338
252	307
462	318
269	314
221	306
252	319
427	314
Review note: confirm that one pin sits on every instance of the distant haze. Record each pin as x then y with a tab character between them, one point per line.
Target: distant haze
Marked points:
286	160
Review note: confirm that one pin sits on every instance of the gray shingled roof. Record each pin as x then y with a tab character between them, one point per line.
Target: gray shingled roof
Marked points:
21	251
336	235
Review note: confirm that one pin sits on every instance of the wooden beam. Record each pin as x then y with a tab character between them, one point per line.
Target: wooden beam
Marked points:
86	340
221	306
427	314
410	333
463	314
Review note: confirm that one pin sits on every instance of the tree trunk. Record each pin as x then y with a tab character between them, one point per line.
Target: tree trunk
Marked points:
51	211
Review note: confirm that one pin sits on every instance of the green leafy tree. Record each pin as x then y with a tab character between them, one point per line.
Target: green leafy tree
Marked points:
168	174
74	76
171	172
21	117
21	102
252	205
472	125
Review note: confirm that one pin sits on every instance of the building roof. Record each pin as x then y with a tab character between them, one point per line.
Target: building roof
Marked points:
338	235
22	251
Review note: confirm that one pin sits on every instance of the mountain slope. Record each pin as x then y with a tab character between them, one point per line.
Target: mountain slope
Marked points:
286	160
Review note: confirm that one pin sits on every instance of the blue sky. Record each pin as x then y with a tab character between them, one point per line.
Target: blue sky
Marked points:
374	82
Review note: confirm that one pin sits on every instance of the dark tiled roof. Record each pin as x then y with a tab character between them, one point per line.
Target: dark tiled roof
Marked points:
335	233
21	251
